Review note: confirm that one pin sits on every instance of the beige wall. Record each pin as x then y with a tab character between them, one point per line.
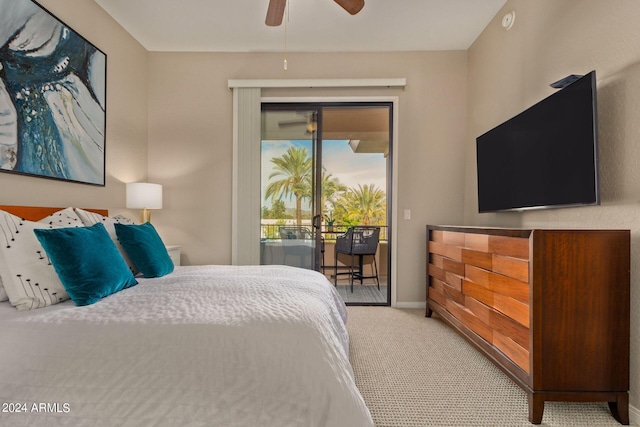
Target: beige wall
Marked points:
511	70
173	112
126	145
190	141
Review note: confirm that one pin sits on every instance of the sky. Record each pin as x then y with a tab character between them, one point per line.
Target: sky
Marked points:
338	160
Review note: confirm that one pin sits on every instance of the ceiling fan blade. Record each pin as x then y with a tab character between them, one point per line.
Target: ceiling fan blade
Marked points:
351	6
275	12
283	123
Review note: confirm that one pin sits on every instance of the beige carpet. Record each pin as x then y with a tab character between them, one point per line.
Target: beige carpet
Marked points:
414	371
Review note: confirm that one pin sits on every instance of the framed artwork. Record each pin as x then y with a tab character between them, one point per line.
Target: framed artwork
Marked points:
52	97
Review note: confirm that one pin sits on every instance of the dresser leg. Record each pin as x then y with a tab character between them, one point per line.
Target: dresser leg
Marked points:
429	311
620	408
536	408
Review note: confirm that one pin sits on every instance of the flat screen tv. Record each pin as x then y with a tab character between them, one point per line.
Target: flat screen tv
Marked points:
546	156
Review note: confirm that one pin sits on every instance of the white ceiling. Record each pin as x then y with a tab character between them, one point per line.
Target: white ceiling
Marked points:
313	25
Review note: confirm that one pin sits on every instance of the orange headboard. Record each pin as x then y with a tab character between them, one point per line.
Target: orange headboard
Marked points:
35	213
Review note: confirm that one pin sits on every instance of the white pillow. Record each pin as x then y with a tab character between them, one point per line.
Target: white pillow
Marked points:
91	218
27	275
64	218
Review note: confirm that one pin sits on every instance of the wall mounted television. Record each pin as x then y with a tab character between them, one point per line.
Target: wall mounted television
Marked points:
545	157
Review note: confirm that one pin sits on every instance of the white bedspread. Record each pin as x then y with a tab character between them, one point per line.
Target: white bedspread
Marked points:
203	346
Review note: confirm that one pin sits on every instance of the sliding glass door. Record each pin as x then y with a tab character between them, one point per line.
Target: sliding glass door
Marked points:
289	157
325	171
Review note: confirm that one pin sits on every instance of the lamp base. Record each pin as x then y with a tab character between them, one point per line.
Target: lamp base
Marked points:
145	216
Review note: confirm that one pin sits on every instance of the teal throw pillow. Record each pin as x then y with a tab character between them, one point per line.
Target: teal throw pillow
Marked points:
86	261
145	249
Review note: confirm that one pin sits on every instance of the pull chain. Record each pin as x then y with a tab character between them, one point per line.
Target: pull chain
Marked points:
286	21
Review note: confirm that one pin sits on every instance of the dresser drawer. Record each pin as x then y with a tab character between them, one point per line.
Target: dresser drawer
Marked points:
511	267
512	350
497	283
445	250
499	330
517	268
479	259
514	245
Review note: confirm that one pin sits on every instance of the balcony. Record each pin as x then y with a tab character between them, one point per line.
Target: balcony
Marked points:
299	252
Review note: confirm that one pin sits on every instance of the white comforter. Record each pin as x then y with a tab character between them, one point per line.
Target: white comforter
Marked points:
203	346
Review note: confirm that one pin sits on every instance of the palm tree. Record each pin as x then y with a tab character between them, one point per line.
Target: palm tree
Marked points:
294	168
366	205
332	189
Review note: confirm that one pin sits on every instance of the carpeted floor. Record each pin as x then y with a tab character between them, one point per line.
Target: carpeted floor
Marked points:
415	371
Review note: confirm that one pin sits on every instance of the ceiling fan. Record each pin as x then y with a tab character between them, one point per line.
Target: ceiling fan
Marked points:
308	121
275	12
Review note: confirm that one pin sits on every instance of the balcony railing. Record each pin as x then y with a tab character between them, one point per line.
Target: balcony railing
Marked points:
272	231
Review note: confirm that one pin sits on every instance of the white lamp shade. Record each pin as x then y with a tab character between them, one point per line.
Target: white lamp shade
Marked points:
144	195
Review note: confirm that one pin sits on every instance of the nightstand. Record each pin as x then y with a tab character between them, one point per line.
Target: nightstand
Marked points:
174	253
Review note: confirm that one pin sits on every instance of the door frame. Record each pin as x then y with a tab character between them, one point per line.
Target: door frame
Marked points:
394	100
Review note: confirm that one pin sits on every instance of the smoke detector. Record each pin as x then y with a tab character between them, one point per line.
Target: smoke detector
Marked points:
508	20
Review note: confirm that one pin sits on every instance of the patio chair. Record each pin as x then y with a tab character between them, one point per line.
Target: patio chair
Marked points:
358	241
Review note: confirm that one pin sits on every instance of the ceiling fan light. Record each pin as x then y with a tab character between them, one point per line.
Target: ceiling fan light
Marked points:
351	6
312	126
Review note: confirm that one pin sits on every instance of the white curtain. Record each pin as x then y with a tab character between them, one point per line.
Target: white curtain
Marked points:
246	176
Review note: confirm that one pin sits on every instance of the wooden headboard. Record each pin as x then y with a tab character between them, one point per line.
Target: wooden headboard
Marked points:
35	213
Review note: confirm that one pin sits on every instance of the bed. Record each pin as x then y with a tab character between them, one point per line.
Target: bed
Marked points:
203	345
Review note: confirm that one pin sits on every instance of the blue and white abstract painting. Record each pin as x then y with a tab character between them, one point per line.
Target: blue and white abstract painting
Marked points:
52	97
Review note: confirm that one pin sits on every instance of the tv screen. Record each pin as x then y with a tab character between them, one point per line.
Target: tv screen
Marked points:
546	156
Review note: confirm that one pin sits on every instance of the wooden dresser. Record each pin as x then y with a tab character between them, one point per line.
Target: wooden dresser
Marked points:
548	307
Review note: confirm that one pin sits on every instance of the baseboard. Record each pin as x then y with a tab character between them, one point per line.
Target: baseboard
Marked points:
411	304
634	416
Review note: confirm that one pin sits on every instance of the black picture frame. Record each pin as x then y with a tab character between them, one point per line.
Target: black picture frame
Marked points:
52	97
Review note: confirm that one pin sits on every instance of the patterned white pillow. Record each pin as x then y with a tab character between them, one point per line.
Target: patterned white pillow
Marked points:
91	218
27	275
64	218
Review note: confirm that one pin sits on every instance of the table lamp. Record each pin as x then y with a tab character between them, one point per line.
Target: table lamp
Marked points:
145	196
